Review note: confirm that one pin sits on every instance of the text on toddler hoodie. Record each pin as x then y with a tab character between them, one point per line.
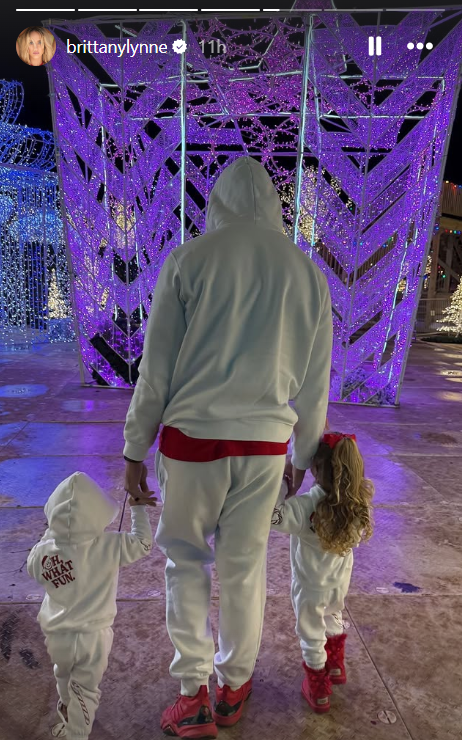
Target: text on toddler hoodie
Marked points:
78	562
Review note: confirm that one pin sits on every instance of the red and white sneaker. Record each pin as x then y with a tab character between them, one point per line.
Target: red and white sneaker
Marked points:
335	663
316	689
229	704
190	716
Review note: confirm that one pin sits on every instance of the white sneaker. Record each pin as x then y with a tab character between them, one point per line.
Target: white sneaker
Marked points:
59	730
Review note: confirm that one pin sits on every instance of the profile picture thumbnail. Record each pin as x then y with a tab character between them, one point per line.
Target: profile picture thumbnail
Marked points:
36	46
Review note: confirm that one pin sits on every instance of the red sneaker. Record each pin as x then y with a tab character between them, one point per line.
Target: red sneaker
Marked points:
190	716
316	689
335	666
229	704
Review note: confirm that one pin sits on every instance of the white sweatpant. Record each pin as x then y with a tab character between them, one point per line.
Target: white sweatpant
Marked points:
80	660
231	499
318	615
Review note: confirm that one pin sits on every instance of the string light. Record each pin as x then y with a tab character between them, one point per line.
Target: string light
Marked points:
34	282
451	323
137	170
58	308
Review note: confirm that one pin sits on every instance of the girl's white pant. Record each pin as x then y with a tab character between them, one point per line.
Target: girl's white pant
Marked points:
80	660
318	614
231	499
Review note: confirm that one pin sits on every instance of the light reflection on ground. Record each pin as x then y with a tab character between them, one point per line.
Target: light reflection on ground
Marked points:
28	390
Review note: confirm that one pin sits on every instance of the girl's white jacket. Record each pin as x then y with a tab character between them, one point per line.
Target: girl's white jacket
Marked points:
312	566
240	325
78	562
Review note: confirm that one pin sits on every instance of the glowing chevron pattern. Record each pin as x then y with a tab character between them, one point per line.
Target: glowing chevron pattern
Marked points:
142	140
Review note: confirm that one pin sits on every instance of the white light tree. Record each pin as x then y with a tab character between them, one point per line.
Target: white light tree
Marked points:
57	308
452	321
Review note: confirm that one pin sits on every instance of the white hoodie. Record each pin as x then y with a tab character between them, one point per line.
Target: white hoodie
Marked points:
312	566
240	324
78	562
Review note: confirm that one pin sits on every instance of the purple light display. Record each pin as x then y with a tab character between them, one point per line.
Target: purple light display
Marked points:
355	145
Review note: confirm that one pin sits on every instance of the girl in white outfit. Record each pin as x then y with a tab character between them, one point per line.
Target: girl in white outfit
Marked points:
78	564
325	525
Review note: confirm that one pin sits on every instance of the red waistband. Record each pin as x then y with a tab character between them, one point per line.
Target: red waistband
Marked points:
178	446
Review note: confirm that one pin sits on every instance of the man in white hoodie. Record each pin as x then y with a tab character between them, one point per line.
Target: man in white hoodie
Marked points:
240	325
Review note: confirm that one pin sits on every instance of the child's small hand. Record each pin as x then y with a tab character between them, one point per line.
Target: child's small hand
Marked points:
148	499
137	480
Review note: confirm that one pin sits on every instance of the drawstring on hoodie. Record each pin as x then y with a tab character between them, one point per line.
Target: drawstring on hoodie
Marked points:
123	511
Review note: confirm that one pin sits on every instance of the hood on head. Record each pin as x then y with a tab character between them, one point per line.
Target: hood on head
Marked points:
244	192
79	510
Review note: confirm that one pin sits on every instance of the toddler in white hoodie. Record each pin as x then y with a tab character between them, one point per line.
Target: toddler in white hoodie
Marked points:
325	525
78	564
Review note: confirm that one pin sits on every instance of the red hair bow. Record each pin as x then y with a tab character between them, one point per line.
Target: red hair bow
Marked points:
332	439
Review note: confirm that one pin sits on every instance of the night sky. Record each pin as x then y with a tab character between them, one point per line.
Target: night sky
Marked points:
36	110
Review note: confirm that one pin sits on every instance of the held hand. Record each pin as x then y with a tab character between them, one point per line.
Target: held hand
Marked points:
296	483
150	500
136	484
288	472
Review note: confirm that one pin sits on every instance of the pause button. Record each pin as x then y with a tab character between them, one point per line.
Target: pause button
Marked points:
375	46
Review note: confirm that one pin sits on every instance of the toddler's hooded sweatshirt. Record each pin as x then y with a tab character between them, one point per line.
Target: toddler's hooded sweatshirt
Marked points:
77	562
313	567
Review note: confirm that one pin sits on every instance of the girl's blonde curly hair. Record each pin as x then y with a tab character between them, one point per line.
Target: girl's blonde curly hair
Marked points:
49	43
343	518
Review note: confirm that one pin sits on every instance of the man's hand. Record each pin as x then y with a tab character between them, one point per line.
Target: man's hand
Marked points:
288	472
136	484
295	482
